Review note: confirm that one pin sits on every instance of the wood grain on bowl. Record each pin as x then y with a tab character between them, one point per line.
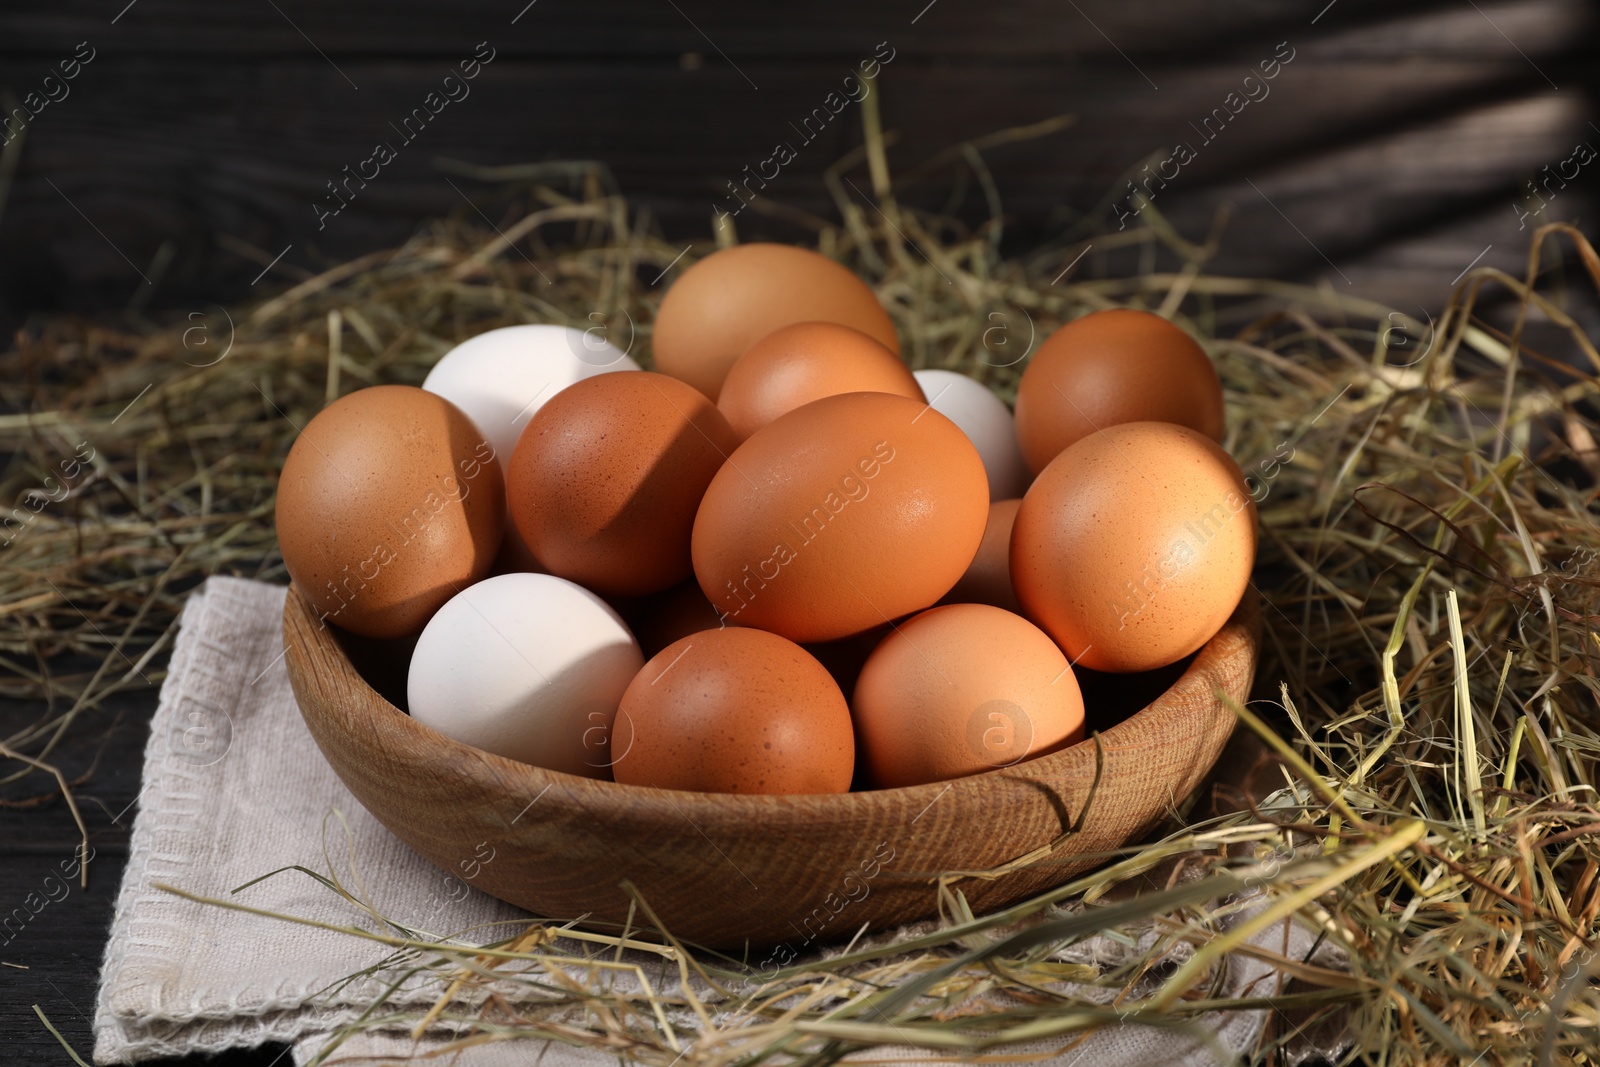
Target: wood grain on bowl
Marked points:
728	871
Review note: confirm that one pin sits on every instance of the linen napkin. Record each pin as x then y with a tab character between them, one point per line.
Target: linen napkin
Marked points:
234	787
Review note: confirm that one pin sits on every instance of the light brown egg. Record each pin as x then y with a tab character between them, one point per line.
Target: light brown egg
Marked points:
734	711
1111	367
605	480
843	514
1134	546
988	578
390	502
962	689
734	297
807	361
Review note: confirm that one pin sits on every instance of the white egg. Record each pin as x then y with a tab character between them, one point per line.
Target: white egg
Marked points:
500	378
986	421
527	666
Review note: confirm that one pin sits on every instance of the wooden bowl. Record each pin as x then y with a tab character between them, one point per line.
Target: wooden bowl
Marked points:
729	871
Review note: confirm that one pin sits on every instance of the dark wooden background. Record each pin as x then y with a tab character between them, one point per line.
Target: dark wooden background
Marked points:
1394	142
1386	159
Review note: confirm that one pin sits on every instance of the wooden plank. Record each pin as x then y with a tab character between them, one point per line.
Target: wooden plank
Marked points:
246	151
1174	30
170	138
61	945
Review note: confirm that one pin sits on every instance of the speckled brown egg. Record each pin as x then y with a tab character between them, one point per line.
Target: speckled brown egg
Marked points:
1111	367
843	514
1134	546
807	361
734	297
988	577
735	711
605	480
962	689
390	502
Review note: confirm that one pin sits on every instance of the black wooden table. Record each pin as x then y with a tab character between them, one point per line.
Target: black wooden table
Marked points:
61	945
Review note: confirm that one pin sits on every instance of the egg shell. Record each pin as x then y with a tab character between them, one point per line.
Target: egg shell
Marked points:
732	298
1111	367
389	503
843	514
988	577
736	711
959	690
807	361
502	376
527	666
986	421
1134	546
606	478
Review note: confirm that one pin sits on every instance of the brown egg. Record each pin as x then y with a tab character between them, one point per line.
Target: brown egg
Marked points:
804	362
843	514
988	578
734	297
605	480
735	711
1134	546
962	689
390	503
1111	367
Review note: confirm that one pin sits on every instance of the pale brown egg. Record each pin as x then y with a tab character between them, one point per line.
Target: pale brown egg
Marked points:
988	577
734	297
390	502
962	689
807	361
1111	367
734	711
843	514
605	480
1134	546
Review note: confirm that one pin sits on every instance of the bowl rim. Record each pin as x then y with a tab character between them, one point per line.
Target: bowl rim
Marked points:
601	797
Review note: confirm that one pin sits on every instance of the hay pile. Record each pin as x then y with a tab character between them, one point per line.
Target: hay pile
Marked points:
1430	562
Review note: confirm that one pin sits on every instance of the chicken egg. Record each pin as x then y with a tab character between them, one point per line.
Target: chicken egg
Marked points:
606	479
843	514
735	711
734	297
527	666
962	689
389	503
1134	546
986	420
988	577
501	377
807	361
1111	367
